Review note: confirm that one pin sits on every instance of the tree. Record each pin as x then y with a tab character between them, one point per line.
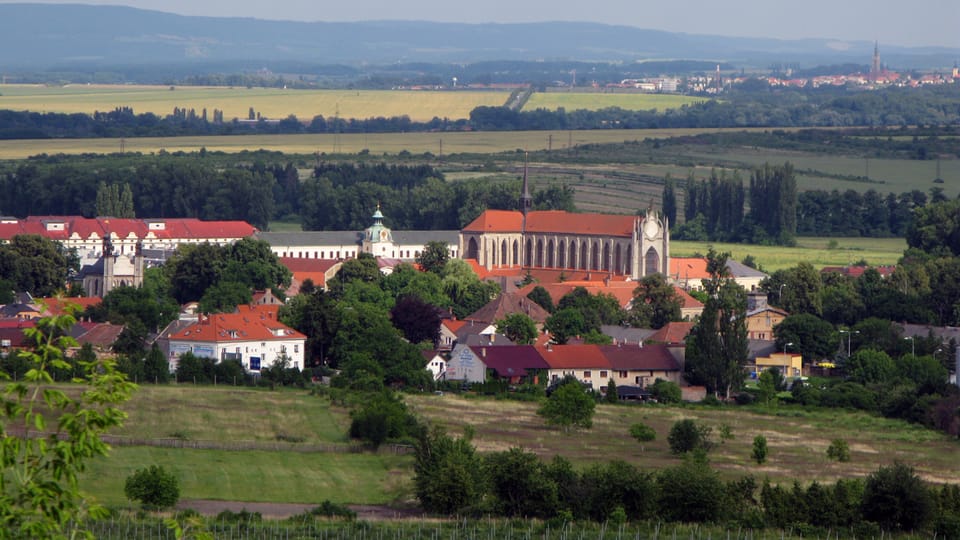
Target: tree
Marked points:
642	433
448	473
717	346
690	492
34	264
935	229
687	435
796	290
569	406
611	396
224	297
867	366
655	303
518	327
383	417
542	298
666	391
154	487
565	324
519	485
156	369
434	256
669	200
759	453
811	335
839	450
41	497
897	499
193	269
418	320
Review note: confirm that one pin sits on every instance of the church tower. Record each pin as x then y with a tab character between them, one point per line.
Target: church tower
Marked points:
875	66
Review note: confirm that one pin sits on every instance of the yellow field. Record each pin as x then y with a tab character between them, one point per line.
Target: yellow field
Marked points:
595	101
236	102
376	143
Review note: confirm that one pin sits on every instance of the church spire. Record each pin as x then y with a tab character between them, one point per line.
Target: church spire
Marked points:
526	201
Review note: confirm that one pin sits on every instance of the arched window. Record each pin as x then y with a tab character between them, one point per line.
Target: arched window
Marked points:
595	257
617	260
539	255
528	253
562	254
582	263
629	268
605	262
551	252
503	253
516	252
652	262
472	249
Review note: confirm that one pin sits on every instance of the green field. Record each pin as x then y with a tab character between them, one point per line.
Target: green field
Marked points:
236	102
797	438
572	101
816	251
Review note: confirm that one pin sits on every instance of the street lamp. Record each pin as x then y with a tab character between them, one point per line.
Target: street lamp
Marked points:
780	294
913	346
849	338
785	345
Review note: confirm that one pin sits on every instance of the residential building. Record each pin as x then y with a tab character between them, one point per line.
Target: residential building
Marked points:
255	340
585	362
641	366
511	363
761	317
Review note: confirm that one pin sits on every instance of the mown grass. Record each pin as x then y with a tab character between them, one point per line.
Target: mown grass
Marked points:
593	101
276	103
817	251
256	476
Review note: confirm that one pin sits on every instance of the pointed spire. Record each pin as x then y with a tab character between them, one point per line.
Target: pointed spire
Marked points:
526	201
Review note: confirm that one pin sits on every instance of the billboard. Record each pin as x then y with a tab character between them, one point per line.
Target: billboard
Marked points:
205	351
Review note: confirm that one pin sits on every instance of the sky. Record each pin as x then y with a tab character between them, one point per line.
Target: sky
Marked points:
897	22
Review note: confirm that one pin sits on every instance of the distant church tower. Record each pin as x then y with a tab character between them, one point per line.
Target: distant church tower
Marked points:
526	204
875	66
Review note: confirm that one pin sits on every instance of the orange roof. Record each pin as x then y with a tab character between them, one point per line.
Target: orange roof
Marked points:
554	221
574	357
236	327
621	290
55	306
453	324
268	310
671	334
687	301
688	268
85	228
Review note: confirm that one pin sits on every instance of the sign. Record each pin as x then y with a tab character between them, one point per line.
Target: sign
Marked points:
254	363
205	351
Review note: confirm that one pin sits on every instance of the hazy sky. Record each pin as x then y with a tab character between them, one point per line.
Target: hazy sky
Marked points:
901	22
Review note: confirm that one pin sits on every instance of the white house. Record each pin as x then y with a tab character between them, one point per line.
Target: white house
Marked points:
256	340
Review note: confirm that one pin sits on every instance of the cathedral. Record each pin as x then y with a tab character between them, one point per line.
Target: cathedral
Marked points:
619	245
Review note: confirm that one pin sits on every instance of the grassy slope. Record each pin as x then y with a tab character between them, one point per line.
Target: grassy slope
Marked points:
594	101
816	251
797	439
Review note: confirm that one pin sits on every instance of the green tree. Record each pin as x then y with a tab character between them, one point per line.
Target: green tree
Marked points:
568	407
669	200
41	497
812	336
759	453
565	324
767	385
519	486
687	435
225	296
518	327
418	320
434	256
655	303
156	369
867	366
542	298
796	290
643	434
384	417
193	269
448	473
935	229
34	264
611	396
690	492
839	450
666	391
154	487
897	499
717	346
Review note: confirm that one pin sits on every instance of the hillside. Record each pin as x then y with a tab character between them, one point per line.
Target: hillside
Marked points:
69	37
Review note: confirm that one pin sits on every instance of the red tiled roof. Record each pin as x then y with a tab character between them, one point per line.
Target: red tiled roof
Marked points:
548	221
687	301
102	335
56	306
621	290
453	325
688	268
633	357
268	310
227	327
84	228
574	357
504	305
671	334
510	360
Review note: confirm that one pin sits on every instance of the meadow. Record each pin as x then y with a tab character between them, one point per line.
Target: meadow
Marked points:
797	438
235	102
572	101
819	252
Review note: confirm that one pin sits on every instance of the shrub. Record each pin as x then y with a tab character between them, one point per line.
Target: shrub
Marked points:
642	432
384	417
896	498
759	449
839	450
666	391
687	435
154	487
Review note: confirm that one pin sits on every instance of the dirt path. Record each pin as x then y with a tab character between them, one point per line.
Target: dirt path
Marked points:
284	510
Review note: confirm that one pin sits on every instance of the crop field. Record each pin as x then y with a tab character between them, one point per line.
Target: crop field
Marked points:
819	252
797	438
474	142
572	101
236	102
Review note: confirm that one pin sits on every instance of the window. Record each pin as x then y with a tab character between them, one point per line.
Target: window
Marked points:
296	347
623	374
586	374
603	374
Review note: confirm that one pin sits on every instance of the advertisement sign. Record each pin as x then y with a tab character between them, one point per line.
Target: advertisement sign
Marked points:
205	351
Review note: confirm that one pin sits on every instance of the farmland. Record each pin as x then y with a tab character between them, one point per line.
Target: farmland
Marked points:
819	252
274	103
798	439
594	101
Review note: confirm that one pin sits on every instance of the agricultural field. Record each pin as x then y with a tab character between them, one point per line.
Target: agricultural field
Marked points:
819	252
593	101
273	103
797	438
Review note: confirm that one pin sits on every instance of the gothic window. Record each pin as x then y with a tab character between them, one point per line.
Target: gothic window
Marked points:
472	249
652	262
595	257
551	249
539	253
605	262
561	254
503	253
582	263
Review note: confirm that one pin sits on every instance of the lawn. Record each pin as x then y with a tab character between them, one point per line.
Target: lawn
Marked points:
256	476
276	103
819	252
572	101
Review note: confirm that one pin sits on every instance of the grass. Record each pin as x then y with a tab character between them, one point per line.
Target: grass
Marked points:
256	476
797	439
236	102
594	101
816	251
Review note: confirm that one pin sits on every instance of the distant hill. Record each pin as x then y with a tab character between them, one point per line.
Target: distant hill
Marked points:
73	37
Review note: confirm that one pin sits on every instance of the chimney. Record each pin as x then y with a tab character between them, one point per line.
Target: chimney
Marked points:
483	352
549	347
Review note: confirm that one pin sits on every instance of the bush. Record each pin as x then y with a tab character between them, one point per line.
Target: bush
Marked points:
839	450
384	417
666	391
896	498
154	487
687	435
759	449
